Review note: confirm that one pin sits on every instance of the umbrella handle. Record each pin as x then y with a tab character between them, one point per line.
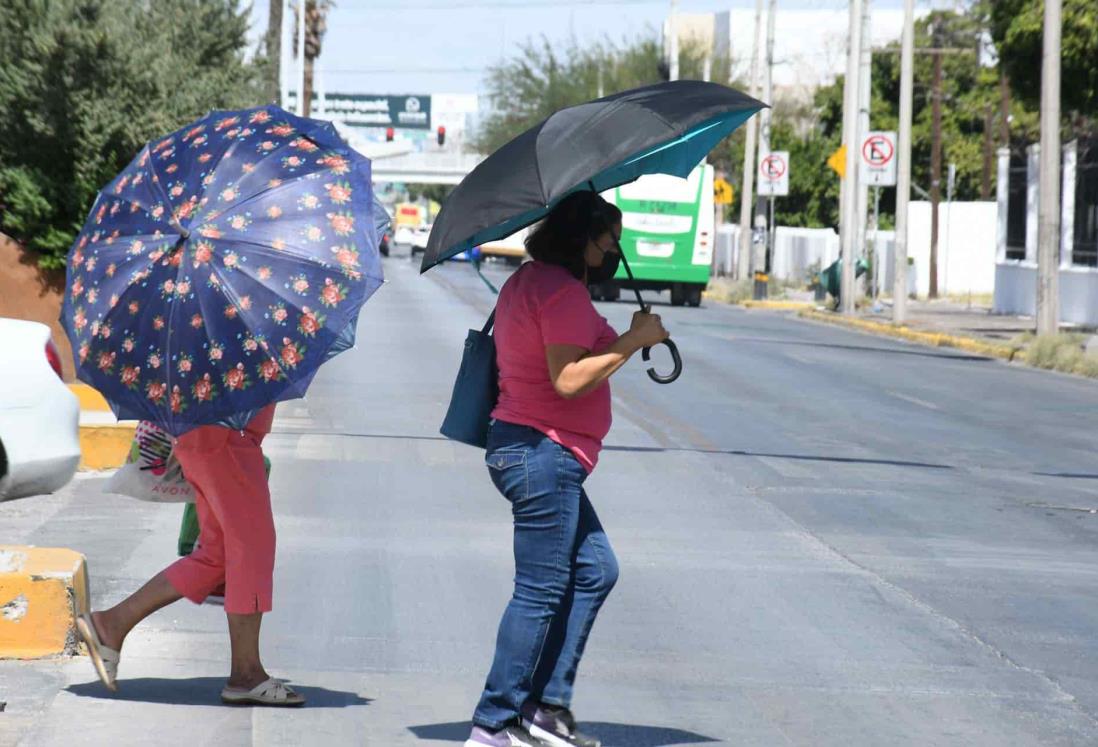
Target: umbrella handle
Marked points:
675	372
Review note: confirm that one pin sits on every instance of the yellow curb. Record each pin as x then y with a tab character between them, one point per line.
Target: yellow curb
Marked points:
779	305
42	590
933	339
105	446
89	398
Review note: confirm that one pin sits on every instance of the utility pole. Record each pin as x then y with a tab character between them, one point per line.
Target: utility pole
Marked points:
762	207
673	43
865	68
1048	210
283	56
746	246
848	225
935	162
903	177
989	154
301	109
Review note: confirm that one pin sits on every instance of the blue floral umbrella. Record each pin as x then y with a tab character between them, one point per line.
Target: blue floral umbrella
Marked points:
221	268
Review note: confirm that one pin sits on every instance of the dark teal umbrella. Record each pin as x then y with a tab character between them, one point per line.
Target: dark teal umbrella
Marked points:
666	128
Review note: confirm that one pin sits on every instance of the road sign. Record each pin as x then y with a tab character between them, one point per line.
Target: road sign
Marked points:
837	161
722	192
774	174
878	159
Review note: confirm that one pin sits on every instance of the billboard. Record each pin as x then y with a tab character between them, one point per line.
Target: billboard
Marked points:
412	111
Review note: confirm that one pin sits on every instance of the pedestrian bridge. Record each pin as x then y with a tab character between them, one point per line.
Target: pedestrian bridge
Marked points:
425	168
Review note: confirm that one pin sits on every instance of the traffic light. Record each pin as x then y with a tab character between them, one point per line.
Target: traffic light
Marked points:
441	135
389	133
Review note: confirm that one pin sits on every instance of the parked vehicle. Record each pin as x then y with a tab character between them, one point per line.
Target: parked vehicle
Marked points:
383	246
39	414
511	249
409	215
667	235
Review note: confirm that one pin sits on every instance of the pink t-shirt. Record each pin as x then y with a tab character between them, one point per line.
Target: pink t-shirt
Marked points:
543	305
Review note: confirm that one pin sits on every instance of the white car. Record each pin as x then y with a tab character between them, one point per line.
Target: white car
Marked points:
39	414
403	235
419	238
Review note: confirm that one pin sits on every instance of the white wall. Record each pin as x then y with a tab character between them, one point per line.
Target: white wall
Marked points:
796	249
1016	292
966	246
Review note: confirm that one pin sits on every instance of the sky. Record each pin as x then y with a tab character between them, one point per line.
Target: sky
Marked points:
446	46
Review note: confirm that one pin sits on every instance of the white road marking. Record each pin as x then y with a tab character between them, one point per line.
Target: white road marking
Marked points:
914	400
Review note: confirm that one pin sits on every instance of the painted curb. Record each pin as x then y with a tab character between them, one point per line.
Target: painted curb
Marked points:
42	590
779	305
105	446
932	339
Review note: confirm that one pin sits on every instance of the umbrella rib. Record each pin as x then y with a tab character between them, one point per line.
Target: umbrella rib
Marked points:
246	314
250	198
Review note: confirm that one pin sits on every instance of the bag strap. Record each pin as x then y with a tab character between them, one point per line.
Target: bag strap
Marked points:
488	324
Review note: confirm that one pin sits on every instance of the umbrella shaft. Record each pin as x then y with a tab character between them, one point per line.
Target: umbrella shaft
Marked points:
629	272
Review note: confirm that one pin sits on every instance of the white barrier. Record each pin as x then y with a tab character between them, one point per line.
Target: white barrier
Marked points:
966	249
1016	291
797	249
966	246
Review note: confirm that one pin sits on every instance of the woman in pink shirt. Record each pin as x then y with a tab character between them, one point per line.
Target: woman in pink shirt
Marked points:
556	355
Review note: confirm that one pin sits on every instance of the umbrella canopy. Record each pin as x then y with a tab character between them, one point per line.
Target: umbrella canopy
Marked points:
666	128
222	267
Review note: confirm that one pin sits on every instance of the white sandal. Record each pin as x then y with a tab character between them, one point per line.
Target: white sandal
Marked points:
271	692
105	659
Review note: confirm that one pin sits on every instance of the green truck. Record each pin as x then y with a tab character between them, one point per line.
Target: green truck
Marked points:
668	235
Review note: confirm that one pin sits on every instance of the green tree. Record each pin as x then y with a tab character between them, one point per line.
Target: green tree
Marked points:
969	91
85	83
544	77
1017	29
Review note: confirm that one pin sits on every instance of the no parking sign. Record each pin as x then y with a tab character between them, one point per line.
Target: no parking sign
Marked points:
774	174
878	159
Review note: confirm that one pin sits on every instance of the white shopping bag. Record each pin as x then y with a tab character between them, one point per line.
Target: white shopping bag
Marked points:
151	472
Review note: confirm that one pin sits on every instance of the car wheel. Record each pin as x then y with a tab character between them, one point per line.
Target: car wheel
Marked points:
678	295
694	296
3	462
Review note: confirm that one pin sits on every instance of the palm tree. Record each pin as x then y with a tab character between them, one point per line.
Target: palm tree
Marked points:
316	24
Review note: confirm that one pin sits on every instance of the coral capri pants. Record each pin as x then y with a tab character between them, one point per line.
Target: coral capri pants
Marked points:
237	543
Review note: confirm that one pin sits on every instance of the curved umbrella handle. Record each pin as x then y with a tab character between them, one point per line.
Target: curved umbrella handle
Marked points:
675	372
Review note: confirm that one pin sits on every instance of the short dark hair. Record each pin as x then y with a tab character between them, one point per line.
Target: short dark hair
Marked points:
562	236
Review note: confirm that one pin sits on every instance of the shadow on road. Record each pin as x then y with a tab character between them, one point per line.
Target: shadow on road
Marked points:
1069	475
798	457
667	450
612	735
202	691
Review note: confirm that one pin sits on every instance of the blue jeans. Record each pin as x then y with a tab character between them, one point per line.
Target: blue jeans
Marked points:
564	570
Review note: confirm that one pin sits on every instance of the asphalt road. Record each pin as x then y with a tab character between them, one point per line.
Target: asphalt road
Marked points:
825	539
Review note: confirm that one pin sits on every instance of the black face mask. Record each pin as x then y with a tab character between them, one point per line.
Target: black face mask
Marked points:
605	271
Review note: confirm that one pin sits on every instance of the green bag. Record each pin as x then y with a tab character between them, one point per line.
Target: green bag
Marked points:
188	531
